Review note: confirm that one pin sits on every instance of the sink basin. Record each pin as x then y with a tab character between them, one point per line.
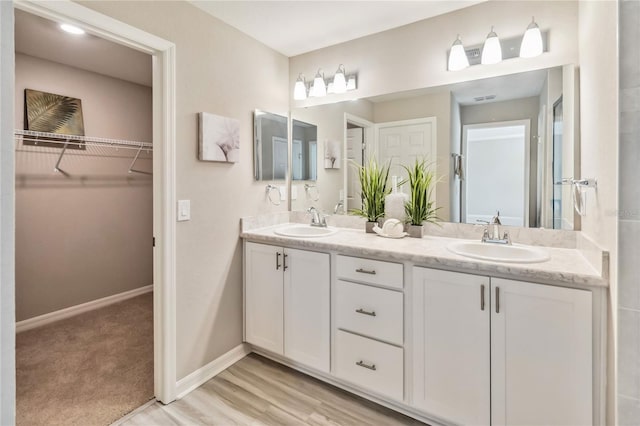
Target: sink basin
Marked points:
498	252
305	231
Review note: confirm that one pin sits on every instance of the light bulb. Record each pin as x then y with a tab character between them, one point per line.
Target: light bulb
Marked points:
339	80
300	89
319	88
491	51
532	41
457	56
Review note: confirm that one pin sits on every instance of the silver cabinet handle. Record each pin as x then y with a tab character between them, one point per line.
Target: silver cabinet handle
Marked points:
482	297
497	300
363	312
284	262
364	271
365	365
277	261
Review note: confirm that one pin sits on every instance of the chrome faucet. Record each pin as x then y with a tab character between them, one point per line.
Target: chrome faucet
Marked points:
317	219
491	232
338	206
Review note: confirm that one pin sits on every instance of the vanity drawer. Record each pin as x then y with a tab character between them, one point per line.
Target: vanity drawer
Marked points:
372	311
370	271
370	364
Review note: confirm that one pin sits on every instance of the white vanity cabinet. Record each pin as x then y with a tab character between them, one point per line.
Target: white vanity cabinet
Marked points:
501	352
287	303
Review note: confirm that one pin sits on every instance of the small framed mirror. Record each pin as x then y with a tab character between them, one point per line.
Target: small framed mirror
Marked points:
270	146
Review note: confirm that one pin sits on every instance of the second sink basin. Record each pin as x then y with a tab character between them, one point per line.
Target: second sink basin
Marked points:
304	231
499	252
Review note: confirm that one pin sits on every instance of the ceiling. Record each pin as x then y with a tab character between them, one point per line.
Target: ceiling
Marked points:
42	38
296	27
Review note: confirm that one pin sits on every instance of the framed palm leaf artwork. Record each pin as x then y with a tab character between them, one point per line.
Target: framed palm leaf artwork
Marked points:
51	113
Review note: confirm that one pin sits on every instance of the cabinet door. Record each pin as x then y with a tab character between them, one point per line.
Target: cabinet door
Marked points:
307	308
451	346
541	368
264	296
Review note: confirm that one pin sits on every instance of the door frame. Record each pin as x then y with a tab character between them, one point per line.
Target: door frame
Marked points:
164	169
368	134
527	160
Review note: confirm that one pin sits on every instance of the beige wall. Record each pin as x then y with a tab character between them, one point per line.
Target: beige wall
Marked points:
415	55
598	144
432	105
225	72
87	236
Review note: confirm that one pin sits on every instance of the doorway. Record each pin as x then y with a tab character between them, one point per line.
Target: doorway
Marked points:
163	186
497	172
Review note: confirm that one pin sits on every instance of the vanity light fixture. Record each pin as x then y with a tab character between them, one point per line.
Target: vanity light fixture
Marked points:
319	88
532	41
300	89
491	51
457	56
340	80
71	29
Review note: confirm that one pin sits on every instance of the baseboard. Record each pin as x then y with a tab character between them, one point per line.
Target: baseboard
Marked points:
212	369
71	311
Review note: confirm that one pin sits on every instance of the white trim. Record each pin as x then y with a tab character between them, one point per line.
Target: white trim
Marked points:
367	135
164	182
212	369
72	311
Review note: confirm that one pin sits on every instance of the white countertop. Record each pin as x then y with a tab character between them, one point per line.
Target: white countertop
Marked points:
565	267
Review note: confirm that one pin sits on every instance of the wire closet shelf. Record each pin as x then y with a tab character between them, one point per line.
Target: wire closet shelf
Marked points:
81	145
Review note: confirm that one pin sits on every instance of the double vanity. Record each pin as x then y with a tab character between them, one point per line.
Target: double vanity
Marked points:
428	328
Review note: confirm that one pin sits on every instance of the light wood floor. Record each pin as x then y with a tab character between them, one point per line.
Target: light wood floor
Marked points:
257	391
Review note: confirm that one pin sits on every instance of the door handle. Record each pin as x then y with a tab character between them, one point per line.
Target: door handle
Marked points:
482	297
277	261
284	262
497	300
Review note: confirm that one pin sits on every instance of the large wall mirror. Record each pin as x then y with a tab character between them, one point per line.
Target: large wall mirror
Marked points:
497	144
270	146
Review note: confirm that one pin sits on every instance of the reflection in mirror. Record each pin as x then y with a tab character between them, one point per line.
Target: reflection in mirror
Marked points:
304	151
270	148
499	144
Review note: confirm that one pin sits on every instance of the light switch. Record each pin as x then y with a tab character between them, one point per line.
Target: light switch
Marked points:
294	192
283	192
184	210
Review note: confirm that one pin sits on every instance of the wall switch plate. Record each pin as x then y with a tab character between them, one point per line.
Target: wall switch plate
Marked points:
294	192
283	192
184	210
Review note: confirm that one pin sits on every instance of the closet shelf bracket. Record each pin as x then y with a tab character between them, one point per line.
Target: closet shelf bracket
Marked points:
57	168
131	169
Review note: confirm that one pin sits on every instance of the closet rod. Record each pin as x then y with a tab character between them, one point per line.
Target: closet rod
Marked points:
66	140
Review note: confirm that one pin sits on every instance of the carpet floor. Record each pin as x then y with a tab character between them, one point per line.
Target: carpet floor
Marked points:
87	370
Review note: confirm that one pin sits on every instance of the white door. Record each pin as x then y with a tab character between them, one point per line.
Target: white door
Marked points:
264	314
355	154
313	160
307	326
541	351
279	158
497	172
401	143
296	159
451	345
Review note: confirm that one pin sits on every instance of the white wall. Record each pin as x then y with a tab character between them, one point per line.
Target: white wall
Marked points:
598	136
415	56
7	296
222	71
89	235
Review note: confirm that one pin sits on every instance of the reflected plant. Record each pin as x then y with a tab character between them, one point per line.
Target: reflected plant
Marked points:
373	183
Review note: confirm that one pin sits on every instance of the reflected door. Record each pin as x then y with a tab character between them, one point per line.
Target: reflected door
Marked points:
296	159
355	153
497	172
279	158
401	143
556	202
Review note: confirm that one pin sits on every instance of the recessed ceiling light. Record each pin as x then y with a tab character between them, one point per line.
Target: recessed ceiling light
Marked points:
71	29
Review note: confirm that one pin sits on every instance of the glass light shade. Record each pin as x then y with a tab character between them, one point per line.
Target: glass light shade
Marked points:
319	89
71	29
531	42
351	84
491	51
339	80
457	56
300	89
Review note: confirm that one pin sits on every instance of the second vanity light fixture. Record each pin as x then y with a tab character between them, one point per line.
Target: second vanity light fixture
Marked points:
340	83
531	46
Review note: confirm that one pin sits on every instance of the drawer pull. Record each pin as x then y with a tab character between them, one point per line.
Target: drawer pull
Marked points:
364	271
365	365
363	312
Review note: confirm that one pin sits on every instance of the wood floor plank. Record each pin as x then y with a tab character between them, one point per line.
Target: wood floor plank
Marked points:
258	391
